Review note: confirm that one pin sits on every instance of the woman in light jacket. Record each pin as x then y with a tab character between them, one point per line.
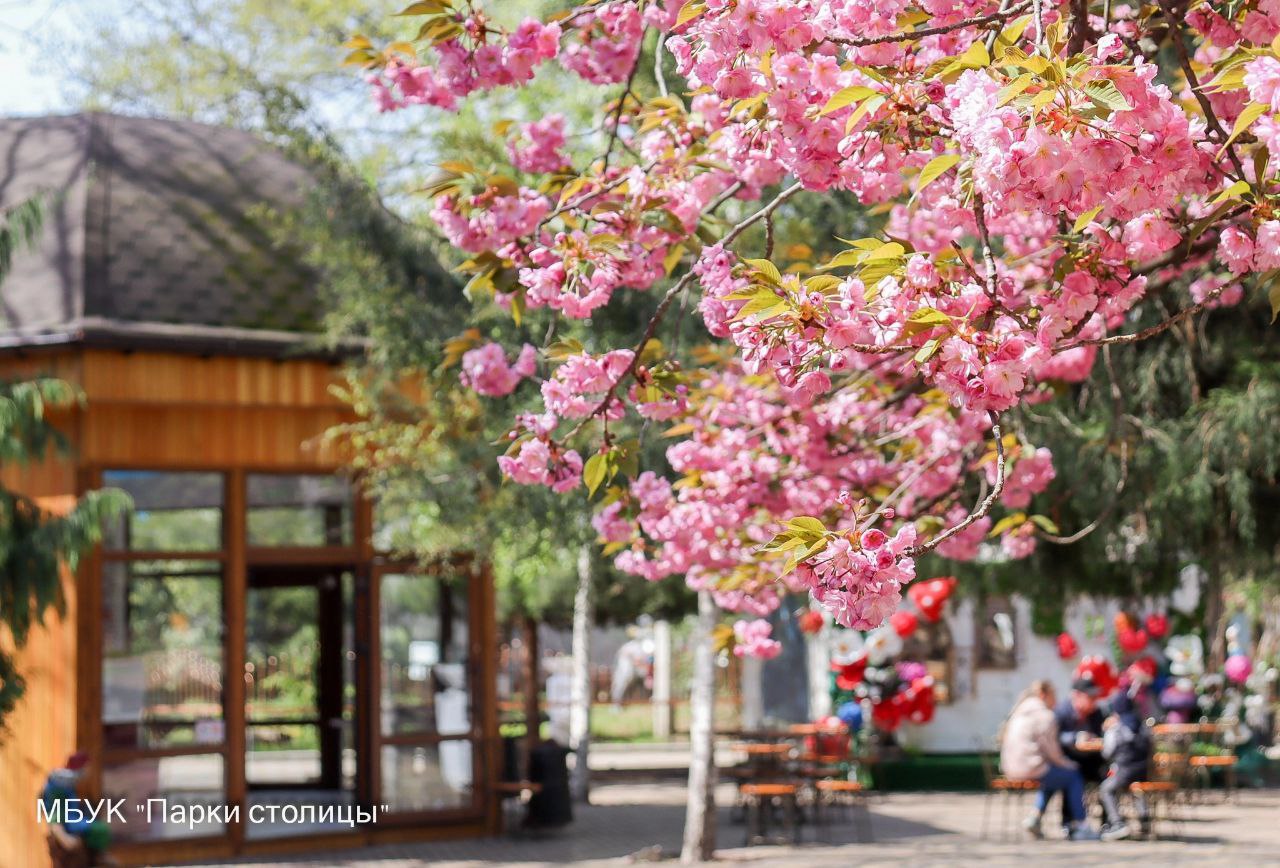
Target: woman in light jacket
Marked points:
1029	751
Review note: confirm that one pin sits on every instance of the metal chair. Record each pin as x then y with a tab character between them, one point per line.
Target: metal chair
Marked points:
851	798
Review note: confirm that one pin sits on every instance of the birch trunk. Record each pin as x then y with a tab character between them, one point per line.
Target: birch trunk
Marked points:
700	812
580	687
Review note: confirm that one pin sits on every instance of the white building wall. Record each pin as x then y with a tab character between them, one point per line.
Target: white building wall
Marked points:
983	697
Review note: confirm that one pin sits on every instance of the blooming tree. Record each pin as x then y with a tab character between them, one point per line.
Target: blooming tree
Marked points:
1045	171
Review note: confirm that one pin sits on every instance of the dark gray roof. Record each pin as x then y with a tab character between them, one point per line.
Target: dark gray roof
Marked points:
157	236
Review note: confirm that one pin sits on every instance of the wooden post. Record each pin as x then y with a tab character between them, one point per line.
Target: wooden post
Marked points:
661	679
236	582
532	710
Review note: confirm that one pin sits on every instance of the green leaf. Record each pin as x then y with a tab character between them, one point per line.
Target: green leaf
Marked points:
1237	189
934	170
1014	88
1045	523
426	7
767	268
1086	218
690	11
1105	93
1009	522
807	523
1251	113
846	97
594	471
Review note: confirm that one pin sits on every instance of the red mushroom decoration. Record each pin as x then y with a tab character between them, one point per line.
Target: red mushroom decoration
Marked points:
1067	646
904	623
929	597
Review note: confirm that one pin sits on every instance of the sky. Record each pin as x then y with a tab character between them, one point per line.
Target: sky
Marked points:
28	73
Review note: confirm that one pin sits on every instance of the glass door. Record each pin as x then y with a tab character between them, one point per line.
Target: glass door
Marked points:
299	677
425	739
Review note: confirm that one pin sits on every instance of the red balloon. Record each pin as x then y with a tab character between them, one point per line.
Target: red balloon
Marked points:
903	622
1157	625
1067	646
930	596
1132	641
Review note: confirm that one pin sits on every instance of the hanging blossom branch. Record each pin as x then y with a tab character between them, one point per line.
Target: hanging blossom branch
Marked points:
669	296
982	508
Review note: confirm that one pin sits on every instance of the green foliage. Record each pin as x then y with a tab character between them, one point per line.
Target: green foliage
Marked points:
20	225
35	544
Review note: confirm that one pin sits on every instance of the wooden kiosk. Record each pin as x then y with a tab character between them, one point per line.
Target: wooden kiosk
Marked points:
238	646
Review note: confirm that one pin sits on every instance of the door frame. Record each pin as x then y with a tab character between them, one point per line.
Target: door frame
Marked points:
330	683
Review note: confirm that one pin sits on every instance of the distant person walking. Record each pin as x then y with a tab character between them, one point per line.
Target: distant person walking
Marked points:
1030	751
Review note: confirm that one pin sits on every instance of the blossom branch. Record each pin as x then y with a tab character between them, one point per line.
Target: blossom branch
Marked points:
999	16
1148	332
982	509
670	296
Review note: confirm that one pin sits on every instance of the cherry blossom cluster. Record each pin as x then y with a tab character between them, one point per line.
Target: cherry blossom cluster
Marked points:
1043	173
752	639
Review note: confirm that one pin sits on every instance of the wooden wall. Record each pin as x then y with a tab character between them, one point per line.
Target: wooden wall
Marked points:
142	410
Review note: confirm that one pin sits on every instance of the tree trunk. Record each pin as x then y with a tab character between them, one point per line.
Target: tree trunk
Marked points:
661	680
700	812
818	660
580	687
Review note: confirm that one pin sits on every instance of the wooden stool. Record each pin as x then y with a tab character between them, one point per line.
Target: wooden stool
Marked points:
760	801
849	795
514	795
1202	767
1157	794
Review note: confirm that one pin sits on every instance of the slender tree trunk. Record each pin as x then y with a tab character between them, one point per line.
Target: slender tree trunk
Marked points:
818	664
580	687
661	680
700	813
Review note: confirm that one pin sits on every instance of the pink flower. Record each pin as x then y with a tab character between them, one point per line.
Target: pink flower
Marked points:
1262	78
485	369
752	640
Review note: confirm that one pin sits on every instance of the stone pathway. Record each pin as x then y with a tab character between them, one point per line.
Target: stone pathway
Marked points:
630	823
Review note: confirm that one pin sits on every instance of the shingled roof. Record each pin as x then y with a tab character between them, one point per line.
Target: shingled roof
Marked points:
155	238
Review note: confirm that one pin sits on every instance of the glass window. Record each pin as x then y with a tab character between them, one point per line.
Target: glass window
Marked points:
171	511
162	661
997	634
299	510
427	777
184	782
424	642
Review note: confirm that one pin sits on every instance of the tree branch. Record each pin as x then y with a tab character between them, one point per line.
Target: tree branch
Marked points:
978	21
1147	332
669	297
982	509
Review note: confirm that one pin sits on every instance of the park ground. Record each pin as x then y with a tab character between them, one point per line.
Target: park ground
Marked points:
636	823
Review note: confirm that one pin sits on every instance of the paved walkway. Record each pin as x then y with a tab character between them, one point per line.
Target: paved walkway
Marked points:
630	823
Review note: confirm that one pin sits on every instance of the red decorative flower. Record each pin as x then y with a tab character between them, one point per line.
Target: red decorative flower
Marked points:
1132	641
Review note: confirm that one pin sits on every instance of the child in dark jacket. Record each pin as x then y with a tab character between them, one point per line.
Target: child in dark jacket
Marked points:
1126	744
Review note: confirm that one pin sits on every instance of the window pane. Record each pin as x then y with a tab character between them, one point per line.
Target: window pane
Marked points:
171	511
162	664
428	777
424	655
297	510
184	782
